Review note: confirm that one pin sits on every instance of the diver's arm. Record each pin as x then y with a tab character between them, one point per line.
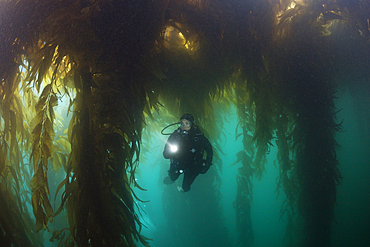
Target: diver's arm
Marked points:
168	153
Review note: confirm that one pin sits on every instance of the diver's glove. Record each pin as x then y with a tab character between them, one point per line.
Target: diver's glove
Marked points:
204	166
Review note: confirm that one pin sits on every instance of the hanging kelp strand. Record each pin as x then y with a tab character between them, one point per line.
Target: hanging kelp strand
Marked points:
43	135
287	180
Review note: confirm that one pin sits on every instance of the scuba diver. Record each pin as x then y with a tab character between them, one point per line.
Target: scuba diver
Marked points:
185	148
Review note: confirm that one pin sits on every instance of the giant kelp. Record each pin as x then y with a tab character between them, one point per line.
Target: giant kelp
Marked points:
99	146
310	91
118	61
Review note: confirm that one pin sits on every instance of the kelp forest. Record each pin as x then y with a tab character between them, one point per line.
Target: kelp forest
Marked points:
86	83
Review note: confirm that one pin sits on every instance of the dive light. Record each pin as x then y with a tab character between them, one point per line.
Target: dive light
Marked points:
173	148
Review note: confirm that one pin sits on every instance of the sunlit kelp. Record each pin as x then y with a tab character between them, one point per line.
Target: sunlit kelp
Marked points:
104	145
43	135
15	221
99	148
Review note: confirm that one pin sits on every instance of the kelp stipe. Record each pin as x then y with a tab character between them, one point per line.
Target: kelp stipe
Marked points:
243	200
254	105
244	196
287	180
309	171
100	188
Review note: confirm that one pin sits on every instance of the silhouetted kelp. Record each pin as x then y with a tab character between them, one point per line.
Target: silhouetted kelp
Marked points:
119	61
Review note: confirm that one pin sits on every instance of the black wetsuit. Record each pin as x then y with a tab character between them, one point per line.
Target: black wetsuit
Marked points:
188	158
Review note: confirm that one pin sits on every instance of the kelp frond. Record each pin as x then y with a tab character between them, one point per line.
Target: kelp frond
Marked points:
287	180
43	135
16	224
243	200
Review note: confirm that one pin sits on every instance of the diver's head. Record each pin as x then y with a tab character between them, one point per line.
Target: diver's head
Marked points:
186	121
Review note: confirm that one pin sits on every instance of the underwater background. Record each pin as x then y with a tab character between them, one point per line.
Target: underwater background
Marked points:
351	213
197	221
280	88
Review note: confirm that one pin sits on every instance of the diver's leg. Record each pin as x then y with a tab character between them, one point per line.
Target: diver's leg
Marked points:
173	175
189	177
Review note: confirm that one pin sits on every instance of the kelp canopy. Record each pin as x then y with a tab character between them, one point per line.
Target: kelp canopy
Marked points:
117	62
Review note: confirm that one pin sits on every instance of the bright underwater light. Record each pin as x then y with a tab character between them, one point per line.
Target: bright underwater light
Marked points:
173	148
